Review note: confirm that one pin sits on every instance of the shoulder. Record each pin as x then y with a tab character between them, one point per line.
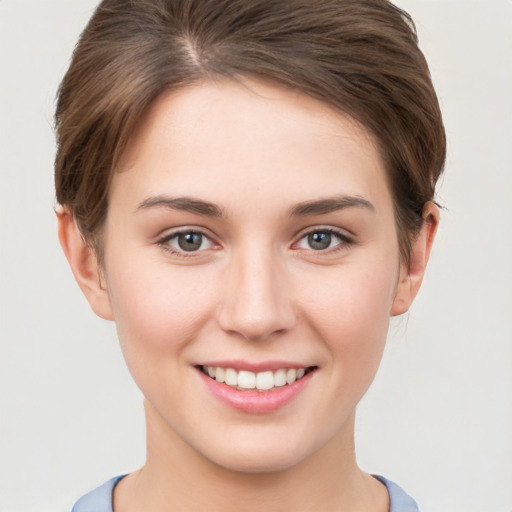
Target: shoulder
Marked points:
98	500
399	500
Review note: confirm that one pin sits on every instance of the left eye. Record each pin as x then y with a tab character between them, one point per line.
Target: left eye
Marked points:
188	241
321	240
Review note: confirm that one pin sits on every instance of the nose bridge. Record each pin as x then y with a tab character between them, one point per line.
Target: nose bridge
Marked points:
256	302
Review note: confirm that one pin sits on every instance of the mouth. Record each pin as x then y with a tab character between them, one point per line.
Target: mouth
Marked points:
244	380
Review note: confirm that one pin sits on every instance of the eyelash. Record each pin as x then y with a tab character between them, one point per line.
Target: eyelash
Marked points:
164	242
343	239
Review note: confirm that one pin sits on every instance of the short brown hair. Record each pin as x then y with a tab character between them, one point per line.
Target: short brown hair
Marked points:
359	56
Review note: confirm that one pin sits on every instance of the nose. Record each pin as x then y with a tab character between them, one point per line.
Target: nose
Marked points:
256	299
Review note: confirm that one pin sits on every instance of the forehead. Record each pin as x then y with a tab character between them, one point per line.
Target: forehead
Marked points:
248	135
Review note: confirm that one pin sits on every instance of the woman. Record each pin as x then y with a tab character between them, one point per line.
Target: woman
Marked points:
246	189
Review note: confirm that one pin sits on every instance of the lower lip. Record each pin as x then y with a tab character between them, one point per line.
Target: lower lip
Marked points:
256	402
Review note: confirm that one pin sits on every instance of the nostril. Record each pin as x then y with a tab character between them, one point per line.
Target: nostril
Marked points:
258	323
254	302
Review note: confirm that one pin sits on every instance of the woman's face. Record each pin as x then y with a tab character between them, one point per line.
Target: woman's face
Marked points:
250	235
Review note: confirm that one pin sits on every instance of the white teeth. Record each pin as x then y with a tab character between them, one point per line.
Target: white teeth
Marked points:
262	381
291	376
220	374
246	380
231	377
280	378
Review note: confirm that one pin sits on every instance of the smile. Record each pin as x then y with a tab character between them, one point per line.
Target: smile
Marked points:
259	381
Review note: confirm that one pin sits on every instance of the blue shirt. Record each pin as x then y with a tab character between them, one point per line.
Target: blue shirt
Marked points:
100	500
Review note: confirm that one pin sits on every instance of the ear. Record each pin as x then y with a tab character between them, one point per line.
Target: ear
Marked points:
411	278
84	264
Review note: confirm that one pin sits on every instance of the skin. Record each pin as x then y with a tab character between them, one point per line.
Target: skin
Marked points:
256	291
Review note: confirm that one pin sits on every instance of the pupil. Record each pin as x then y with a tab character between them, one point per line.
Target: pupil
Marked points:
190	241
319	241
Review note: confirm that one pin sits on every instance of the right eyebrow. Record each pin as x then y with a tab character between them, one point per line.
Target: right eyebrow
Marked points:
184	204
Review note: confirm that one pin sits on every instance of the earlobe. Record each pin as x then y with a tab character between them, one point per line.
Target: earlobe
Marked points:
84	264
411	278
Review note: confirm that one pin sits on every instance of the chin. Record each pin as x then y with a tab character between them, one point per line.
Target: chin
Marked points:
260	462
254	456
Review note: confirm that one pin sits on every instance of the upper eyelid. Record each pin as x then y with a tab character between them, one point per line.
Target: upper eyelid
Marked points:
344	241
343	233
164	240
167	234
173	232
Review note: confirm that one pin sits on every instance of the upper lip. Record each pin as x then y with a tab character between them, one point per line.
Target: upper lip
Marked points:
255	367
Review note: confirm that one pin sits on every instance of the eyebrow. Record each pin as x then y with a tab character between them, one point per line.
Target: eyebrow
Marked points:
184	204
307	208
329	205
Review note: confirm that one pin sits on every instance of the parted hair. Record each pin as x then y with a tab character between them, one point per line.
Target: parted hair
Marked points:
361	57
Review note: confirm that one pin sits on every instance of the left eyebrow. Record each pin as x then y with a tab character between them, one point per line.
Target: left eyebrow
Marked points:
329	205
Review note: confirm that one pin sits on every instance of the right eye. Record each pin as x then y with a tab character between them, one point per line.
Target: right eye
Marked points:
183	242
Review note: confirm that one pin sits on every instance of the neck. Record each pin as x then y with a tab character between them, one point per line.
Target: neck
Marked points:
176	477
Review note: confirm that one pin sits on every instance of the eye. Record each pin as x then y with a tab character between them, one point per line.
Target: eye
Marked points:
186	242
322	239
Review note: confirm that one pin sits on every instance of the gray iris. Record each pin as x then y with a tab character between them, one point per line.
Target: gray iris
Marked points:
190	241
319	241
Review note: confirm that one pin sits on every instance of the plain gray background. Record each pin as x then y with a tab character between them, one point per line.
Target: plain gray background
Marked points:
438	418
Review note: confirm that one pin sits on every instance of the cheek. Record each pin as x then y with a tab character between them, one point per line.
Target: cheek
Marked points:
158	313
158	308
353	314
